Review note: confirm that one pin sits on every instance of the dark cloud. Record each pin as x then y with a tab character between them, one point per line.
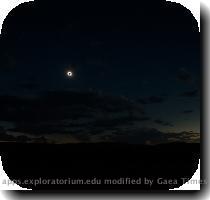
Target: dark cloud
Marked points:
121	135
141	135
184	76
41	139
135	136
190	94
113	122
143	119
69	112
163	123
187	111
185	136
80	117
145	136
22	139
4	136
64	105
151	100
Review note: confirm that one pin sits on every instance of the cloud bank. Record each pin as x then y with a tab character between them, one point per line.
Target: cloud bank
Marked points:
82	117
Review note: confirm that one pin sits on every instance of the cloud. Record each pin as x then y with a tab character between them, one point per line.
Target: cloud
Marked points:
69	112
187	111
145	135
22	139
8	136
125	135
132	136
81	117
163	123
151	100
190	94
185	136
65	105
5	137
184	76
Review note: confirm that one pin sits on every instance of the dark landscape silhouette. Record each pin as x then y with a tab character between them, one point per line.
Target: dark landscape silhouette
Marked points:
173	161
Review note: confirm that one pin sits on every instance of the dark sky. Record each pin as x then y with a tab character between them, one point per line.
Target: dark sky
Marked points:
145	57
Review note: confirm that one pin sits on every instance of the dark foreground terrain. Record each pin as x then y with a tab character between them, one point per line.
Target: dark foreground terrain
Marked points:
94	164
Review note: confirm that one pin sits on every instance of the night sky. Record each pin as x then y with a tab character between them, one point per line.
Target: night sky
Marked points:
135	73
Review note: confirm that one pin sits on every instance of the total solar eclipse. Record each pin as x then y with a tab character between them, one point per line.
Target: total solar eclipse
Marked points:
69	73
